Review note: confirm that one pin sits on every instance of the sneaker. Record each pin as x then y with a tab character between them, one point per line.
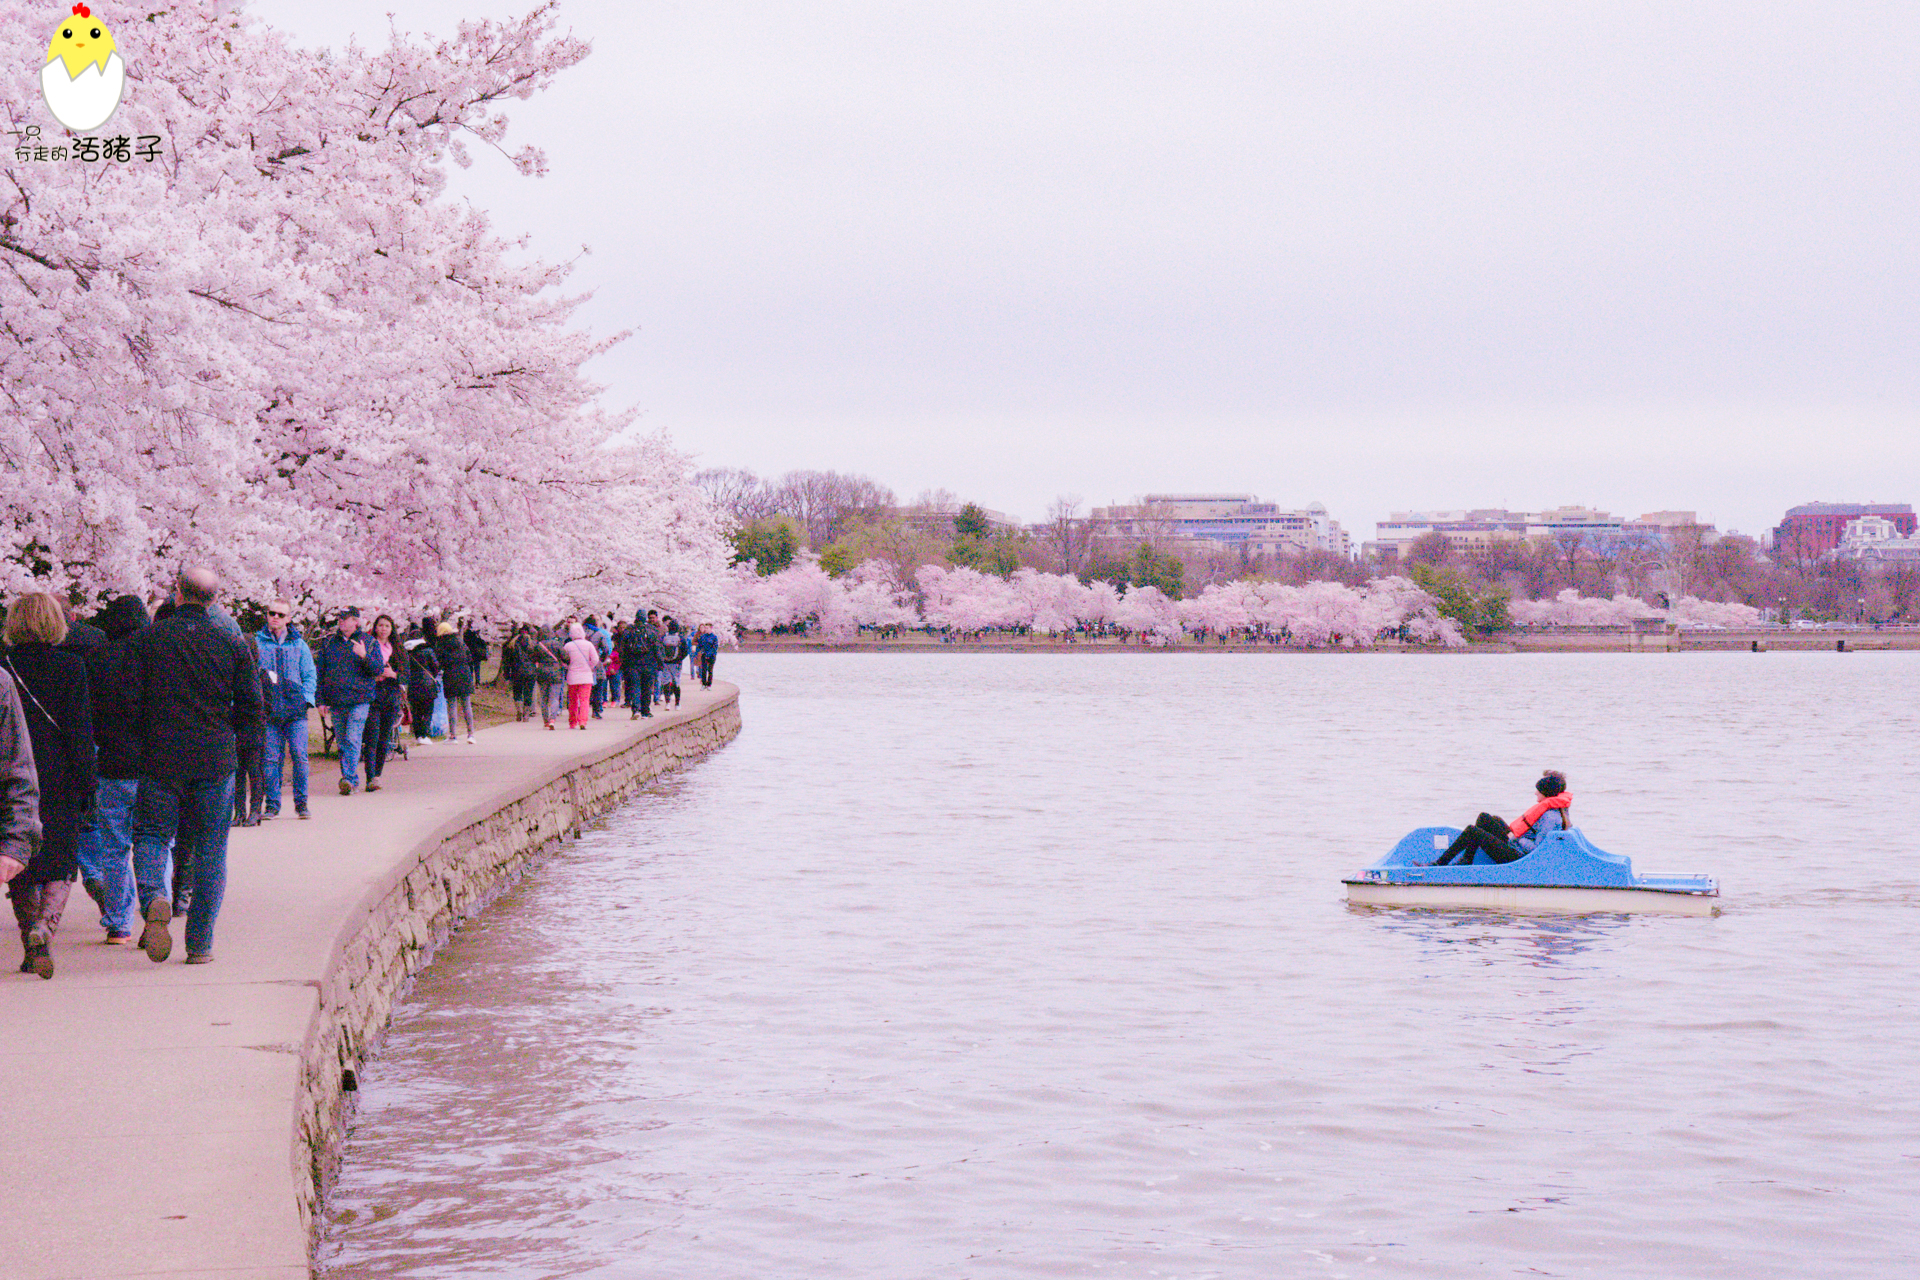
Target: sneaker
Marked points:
300	811
346	788
423	742
469	739
154	939
118	939
39	955
373	785
270	813
199	957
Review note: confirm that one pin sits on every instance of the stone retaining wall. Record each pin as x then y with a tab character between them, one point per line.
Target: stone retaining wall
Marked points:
450	876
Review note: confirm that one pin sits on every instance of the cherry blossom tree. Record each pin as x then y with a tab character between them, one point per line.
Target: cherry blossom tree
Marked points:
277	348
967	601
876	599
1571	609
1148	611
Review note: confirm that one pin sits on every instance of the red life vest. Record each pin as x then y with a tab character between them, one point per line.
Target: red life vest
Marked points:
1526	821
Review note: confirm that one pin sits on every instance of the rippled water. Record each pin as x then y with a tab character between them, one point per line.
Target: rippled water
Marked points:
1009	966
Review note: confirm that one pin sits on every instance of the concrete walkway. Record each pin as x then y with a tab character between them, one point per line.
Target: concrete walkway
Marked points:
148	1112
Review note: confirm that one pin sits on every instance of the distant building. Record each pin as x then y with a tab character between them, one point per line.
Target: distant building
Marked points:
1231	519
937	518
1472	532
1813	529
1878	540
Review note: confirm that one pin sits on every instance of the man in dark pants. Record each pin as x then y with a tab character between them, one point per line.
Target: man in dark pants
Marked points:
706	650
346	670
1511	841
191	689
639	664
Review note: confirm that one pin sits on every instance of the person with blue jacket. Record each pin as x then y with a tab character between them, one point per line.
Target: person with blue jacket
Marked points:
348	664
293	684
706	649
1510	842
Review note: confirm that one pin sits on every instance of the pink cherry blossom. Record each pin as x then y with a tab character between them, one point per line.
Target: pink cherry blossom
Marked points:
279	350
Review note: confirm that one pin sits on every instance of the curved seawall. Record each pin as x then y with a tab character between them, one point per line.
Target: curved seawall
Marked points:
179	1121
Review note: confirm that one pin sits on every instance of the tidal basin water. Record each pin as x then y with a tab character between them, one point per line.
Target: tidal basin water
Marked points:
1019	966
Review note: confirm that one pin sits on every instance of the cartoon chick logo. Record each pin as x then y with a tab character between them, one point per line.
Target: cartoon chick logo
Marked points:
84	76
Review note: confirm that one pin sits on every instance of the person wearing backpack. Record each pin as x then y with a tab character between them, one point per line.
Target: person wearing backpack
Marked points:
640	661
549	675
673	653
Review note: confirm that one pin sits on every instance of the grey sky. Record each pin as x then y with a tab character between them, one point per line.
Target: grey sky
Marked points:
1381	255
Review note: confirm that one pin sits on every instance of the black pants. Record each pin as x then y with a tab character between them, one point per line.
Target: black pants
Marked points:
703	667
383	722
1488	835
640	686
422	713
249	780
523	691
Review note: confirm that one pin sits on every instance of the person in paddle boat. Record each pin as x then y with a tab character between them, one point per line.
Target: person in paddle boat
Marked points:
1509	842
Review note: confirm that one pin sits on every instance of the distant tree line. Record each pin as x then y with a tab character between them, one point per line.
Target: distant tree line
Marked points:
1680	562
847	520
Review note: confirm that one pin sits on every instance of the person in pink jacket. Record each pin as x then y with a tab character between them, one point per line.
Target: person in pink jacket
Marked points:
583	658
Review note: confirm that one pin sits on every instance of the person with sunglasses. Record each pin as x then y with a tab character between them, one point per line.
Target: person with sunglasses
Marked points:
294	682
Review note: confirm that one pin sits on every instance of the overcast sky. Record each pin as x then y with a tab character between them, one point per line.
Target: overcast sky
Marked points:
1379	255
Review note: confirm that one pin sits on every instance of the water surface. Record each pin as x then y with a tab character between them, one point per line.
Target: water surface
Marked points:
999	965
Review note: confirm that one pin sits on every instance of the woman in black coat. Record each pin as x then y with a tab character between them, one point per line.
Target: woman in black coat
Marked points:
59	710
423	684
456	676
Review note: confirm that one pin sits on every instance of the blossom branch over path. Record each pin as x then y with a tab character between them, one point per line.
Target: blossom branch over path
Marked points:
279	350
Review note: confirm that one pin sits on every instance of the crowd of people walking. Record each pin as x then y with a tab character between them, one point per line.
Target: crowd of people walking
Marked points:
580	667
130	745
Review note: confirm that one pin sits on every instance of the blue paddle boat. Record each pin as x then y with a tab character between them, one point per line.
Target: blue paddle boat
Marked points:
1564	873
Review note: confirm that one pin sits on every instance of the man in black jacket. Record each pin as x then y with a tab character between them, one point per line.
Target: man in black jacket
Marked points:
106	834
640	664
190	688
348	669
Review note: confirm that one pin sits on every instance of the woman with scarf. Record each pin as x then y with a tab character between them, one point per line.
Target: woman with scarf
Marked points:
1509	842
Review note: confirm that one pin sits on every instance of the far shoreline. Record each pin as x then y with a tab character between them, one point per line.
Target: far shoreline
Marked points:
1857	640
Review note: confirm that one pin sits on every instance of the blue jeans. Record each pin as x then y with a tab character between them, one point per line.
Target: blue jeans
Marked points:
349	726
106	850
286	741
195	814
